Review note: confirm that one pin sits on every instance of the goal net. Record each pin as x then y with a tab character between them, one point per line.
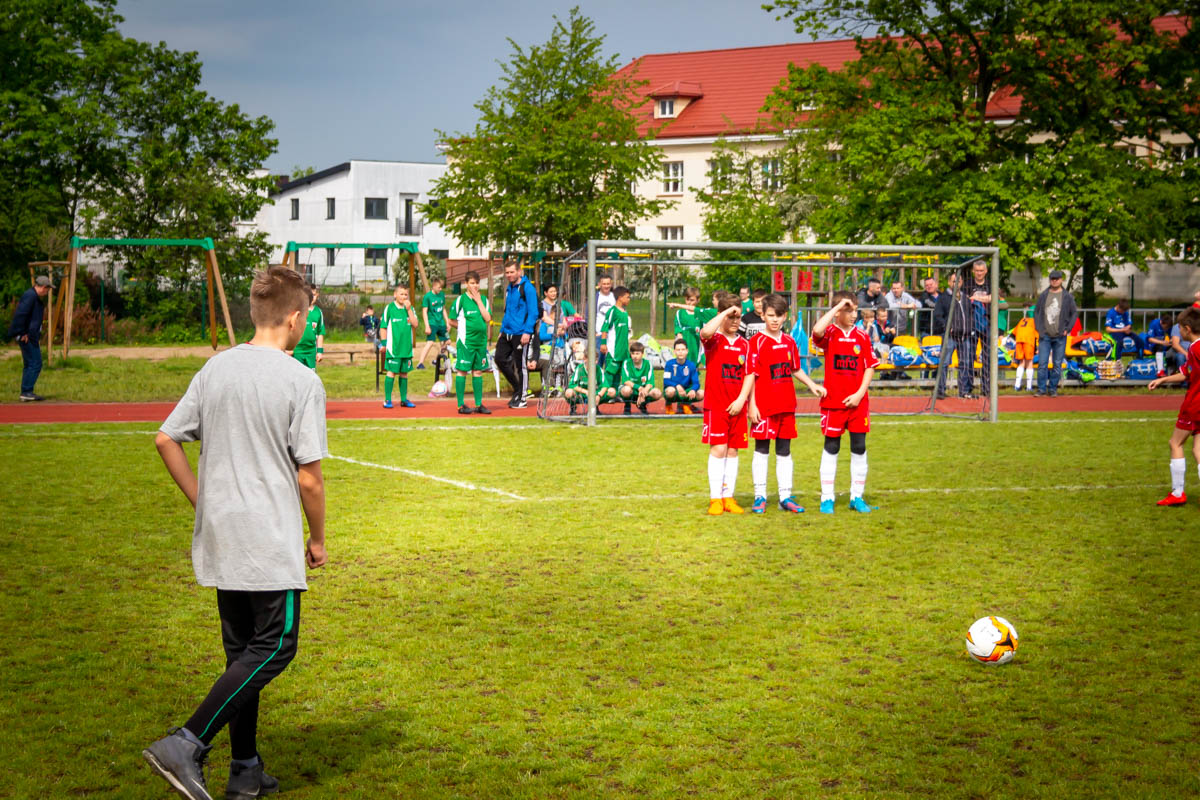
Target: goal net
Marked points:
928	311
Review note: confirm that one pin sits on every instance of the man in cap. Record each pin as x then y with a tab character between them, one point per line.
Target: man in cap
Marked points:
26	328
1054	315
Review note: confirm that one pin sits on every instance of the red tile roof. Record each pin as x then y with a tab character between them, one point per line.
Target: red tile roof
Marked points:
728	87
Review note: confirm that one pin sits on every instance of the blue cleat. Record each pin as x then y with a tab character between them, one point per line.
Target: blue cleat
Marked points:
790	504
760	505
387	404
860	505
408	404
826	506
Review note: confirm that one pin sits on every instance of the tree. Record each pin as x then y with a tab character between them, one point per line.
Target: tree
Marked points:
897	147
553	158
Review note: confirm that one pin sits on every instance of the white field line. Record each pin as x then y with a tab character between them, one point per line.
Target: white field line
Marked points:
418	474
907	490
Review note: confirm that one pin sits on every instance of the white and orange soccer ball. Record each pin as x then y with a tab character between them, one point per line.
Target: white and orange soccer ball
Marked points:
992	640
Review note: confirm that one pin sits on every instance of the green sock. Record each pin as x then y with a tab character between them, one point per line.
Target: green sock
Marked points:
388	382
404	390
460	388
477	389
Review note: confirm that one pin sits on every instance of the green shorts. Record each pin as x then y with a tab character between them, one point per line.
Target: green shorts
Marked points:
612	370
469	360
680	391
307	359
397	365
437	334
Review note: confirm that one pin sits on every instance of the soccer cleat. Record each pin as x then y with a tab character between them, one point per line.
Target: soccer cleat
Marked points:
464	410
627	410
671	409
421	366
1173	500
790	504
860	505
732	507
518	403
642	408
715	507
482	410
826	507
408	404
181	762
246	783
387	404
573	410
760	505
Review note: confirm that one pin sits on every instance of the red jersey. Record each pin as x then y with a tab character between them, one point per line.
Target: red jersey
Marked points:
1190	407
848	355
773	363
726	358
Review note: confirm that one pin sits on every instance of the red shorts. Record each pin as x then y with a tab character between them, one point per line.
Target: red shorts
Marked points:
1187	423
720	428
776	426
834	421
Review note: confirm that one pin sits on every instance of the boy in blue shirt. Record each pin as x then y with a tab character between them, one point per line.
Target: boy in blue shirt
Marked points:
681	381
1118	323
1158	340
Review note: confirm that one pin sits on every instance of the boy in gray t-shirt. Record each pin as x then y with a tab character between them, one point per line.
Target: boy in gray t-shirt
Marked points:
260	415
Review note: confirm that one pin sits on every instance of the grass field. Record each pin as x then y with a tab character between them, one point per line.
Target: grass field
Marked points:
524	610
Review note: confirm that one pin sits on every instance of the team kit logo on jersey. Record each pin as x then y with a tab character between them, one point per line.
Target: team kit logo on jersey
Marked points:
781	371
841	361
732	372
857	349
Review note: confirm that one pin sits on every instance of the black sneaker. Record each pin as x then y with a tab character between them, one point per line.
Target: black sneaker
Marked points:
628	410
181	762
464	410
1052	393
482	410
518	402
30	397
246	783
642	408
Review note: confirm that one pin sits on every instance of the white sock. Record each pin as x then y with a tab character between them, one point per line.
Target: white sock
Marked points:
716	476
858	474
1178	470
1029	373
758	472
731	467
1020	374
828	474
1158	360
783	475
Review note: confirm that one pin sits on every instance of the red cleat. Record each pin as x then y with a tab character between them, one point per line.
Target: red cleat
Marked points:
1173	500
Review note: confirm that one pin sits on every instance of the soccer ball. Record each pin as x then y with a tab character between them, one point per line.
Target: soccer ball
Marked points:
438	390
992	640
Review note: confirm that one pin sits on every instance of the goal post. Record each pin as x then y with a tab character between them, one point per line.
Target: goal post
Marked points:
952	259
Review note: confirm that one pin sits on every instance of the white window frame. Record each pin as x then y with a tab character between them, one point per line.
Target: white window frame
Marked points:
295	208
670	233
672	177
666	108
330	208
772	174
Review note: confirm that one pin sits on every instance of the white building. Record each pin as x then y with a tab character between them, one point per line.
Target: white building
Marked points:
358	201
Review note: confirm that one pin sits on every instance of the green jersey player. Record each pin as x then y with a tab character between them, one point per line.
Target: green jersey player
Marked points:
437	324
615	330
308	351
396	327
637	379
470	315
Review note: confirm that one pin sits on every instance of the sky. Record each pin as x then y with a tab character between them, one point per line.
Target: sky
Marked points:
373	79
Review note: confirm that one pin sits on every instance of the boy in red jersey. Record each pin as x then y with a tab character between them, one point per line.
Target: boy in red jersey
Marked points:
774	361
849	366
1188	423
724	401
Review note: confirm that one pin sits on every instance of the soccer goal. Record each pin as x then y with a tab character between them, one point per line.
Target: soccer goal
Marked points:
942	360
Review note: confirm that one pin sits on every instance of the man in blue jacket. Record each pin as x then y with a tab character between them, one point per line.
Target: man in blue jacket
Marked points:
517	345
26	328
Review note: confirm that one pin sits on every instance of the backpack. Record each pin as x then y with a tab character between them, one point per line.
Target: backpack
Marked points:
1141	369
1096	347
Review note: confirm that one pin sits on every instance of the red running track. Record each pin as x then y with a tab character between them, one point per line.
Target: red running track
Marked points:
46	412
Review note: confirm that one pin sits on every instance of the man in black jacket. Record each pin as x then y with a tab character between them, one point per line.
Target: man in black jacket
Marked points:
26	328
953	320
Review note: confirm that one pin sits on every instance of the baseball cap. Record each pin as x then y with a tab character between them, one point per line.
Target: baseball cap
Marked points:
42	280
1057	273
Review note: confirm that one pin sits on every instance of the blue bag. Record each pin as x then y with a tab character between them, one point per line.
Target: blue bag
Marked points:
903	357
1095	347
1141	369
932	353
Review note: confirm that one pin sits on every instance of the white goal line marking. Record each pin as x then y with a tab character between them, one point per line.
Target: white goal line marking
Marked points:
416	473
908	490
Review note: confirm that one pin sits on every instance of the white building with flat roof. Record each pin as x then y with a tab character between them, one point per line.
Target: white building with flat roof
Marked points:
357	201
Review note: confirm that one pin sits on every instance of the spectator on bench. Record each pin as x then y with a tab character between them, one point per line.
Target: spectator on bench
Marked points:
1118	323
1158	341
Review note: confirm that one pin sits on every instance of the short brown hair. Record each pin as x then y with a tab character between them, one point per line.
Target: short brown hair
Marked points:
691	291
275	293
472	275
1122	304
1189	318
678	342
843	295
725	300
775	302
759	293
637	347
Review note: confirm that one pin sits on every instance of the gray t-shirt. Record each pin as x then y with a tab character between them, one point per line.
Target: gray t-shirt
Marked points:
1053	312
258	413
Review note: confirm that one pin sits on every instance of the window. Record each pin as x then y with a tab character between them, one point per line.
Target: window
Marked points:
670	233
376	257
475	250
720	173
408	217
1182	152
772	174
666	108
329	253
375	208
330	207
672	177
295	208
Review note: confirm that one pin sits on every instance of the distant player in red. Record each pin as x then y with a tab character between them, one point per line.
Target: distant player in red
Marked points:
849	366
773	364
724	401
1188	423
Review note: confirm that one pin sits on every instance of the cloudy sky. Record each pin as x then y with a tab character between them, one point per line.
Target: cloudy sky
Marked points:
374	79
